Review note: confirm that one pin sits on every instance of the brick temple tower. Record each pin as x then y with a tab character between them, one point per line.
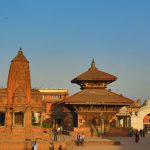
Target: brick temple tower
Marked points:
19	84
22	108
18	116
23	115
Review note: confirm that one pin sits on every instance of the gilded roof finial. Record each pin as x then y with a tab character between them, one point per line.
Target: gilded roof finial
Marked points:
20	51
93	66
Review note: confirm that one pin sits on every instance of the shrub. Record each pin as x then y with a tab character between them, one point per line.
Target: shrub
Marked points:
46	125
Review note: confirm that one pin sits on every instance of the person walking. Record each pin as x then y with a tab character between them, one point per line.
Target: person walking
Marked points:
34	146
137	137
51	146
55	134
60	147
78	139
91	131
141	132
82	138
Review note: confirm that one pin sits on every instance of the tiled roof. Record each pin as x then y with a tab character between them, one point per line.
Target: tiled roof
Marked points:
93	74
98	96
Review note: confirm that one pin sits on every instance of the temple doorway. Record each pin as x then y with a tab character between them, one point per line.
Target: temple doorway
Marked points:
75	119
123	121
19	119
58	121
71	117
2	118
70	120
36	119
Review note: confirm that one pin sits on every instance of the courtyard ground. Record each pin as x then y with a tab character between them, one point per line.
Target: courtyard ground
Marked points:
91	143
127	143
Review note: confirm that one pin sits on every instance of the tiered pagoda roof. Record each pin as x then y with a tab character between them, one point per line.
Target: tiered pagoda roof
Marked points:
93	84
98	96
94	75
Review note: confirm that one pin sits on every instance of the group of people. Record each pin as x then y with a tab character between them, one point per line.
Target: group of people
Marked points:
56	132
51	147
80	139
142	133
138	134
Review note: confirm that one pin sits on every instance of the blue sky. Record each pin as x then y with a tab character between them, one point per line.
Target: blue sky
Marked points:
61	37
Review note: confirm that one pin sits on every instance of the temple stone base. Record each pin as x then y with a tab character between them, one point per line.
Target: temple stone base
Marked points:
22	145
22	134
27	144
22	139
111	131
86	131
118	131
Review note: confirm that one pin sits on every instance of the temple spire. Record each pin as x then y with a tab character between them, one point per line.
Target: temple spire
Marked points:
20	56
20	51
93	66
19	84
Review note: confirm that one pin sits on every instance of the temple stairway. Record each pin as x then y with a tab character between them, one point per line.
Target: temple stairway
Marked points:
20	142
23	141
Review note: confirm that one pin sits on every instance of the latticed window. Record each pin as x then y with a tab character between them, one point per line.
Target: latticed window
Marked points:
19	118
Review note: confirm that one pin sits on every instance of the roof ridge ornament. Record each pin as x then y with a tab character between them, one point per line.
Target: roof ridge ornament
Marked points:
93	66
20	51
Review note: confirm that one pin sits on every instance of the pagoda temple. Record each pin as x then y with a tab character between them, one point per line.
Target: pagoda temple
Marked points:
95	107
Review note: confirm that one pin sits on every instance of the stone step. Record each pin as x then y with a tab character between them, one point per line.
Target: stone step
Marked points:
22	136
44	145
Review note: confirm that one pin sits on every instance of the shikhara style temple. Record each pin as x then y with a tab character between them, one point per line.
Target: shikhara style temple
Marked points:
95	107
29	112
24	110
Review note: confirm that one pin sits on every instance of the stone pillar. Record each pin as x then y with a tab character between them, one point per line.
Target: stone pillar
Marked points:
8	120
117	122
125	119
41	114
103	126
123	122
128	121
28	119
